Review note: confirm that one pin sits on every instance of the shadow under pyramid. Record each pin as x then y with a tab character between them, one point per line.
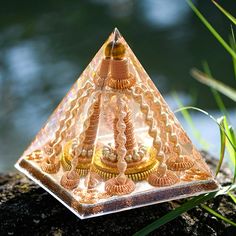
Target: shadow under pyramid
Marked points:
113	143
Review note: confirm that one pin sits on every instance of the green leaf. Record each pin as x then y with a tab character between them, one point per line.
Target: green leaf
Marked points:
217	85
226	13
222	144
218	215
211	29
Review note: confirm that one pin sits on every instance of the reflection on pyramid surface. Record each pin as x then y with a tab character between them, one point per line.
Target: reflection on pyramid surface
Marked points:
113	143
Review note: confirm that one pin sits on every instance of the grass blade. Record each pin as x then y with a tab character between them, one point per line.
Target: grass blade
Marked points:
233	45
232	152
232	196
222	145
218	215
215	93
232	134
211	29
217	85
226	13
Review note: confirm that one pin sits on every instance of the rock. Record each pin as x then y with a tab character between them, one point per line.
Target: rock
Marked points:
26	209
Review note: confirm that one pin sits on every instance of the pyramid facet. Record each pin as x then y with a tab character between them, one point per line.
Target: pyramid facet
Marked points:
113	143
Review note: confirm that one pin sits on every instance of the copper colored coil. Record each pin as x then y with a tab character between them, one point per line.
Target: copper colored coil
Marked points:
119	69
130	143
89	139
94	118
122	84
130	139
87	147
57	149
129	132
166	149
174	164
91	132
48	148
115	132
156	106
95	115
49	167
103	70
168	179
114	188
70	180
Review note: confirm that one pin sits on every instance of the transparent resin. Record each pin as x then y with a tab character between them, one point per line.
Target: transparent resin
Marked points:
113	144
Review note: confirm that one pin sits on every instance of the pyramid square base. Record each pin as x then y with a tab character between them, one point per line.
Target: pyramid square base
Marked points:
115	204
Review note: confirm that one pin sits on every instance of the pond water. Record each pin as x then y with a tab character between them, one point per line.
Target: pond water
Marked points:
44	48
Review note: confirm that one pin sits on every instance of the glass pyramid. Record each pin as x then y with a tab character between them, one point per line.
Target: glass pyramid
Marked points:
113	143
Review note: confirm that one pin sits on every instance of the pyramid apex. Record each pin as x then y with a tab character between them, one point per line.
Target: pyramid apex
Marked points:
117	34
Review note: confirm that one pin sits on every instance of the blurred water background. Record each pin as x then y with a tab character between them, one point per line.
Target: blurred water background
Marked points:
44	46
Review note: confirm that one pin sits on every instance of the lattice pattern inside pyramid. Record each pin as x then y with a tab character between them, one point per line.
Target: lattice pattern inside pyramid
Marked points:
113	143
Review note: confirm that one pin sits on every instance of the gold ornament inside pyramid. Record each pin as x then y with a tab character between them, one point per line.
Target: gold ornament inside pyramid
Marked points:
113	143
